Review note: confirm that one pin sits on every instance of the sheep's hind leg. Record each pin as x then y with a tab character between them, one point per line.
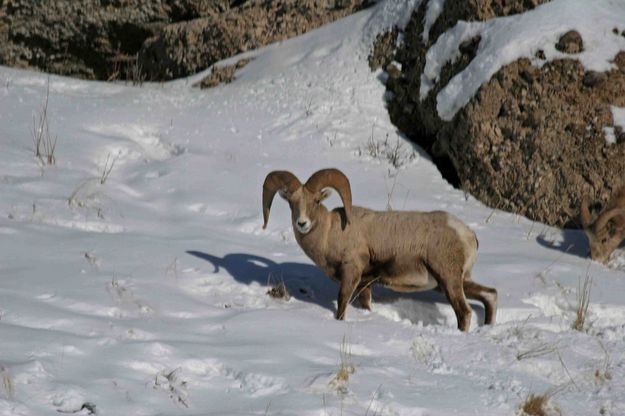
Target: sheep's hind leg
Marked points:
364	296
455	294
486	295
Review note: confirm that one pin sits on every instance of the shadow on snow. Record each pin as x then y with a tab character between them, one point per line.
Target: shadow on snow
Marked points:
573	242
307	283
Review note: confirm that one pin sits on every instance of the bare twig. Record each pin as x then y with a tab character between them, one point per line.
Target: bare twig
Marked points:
566	369
375	393
538	351
107	169
389	193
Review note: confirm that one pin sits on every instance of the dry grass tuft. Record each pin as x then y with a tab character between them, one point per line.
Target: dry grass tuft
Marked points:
394	153
278	289
346	368
603	375
583	301
540	404
45	145
535	405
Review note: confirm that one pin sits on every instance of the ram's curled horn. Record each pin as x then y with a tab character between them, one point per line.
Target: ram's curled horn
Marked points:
278	180
333	178
585	213
603	219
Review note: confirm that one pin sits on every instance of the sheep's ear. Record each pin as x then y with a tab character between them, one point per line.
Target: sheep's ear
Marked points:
324	194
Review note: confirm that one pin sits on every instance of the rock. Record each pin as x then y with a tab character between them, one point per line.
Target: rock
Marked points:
531	140
383	50
186	48
84	38
149	39
223	74
571	42
593	78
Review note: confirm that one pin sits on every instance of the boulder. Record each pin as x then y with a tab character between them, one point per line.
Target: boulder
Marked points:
150	39
91	39
532	140
186	48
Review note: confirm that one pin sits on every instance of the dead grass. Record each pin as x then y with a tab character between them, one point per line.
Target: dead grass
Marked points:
583	301
603	375
45	145
373	397
394	153
535	405
127	67
391	190
107	168
278	289
346	367
540	405
537	351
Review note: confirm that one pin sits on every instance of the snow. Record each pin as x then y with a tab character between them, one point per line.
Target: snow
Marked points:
434	9
507	39
618	120
610	137
146	294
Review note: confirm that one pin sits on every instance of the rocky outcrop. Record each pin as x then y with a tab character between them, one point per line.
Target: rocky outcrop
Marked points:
93	39
186	48
149	39
532	140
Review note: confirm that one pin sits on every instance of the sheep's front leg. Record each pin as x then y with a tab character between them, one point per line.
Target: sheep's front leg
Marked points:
350	278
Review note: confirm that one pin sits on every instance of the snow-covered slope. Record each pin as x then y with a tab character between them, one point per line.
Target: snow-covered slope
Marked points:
146	295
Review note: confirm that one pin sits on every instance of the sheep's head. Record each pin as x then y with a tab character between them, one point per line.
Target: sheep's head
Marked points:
305	200
606	232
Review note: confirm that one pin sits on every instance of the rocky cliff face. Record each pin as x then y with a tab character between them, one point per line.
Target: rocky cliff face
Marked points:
532	140
152	39
185	48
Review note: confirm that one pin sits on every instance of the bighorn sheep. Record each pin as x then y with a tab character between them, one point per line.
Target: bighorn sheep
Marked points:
607	231
405	251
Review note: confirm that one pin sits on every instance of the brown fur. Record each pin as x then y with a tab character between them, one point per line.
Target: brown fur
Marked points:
607	231
406	251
